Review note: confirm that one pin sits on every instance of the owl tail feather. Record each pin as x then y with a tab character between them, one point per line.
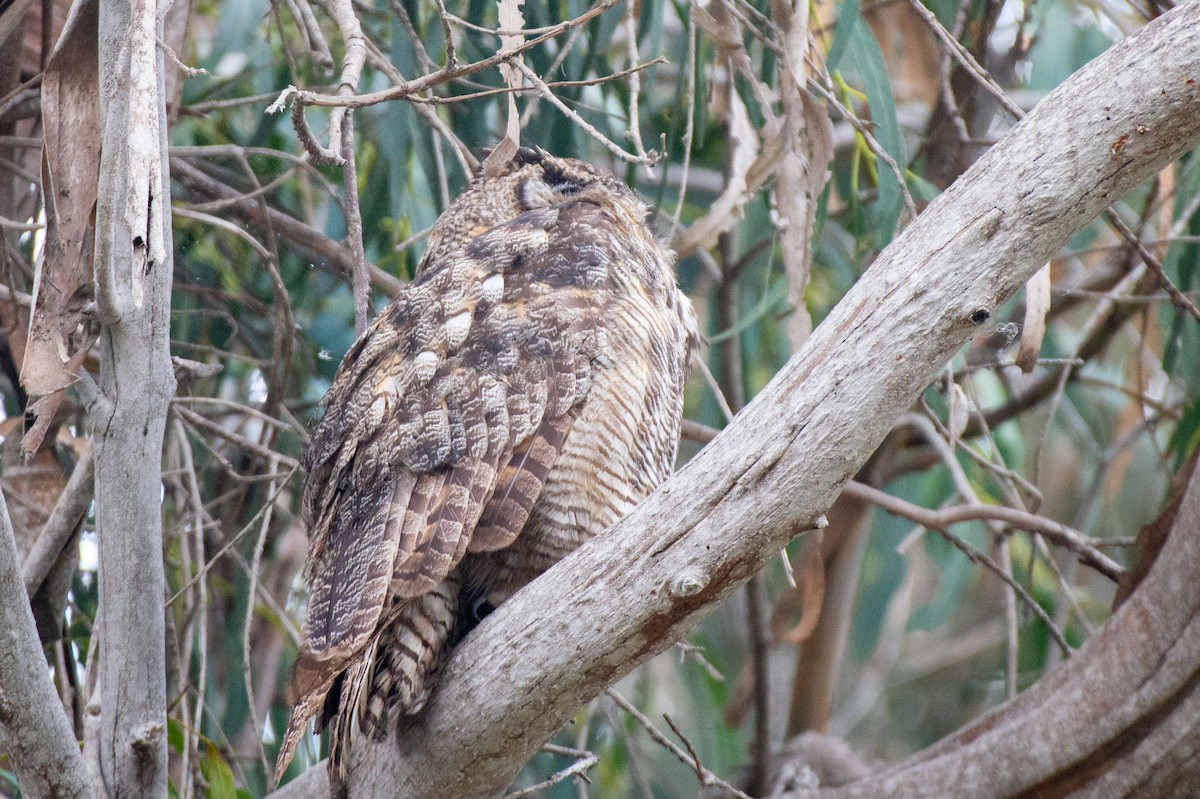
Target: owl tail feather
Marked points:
342	724
309	686
413	642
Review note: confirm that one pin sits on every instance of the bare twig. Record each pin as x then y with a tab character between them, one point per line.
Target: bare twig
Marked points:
649	159
20	227
191	72
447	34
1181	300
255	564
933	520
873	144
968	62
945	447
705	776
414	38
711	382
353	60
585	761
222	224
18	90
310	29
444	75
195	419
466	158
689	129
635	84
331	252
696	653
434	99
362	299
193	562
200	574
239	408
696	764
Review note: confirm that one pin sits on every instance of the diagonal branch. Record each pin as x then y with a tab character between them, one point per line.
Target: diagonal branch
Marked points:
68	512
34	730
777	468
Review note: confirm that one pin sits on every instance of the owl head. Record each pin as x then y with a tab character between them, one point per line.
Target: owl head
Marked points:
532	179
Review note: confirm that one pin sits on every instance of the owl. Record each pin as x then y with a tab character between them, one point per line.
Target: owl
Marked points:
518	397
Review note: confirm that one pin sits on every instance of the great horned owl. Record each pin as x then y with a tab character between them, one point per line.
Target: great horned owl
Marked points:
518	397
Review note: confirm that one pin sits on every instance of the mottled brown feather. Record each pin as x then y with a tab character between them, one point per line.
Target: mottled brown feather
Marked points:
518	486
543	319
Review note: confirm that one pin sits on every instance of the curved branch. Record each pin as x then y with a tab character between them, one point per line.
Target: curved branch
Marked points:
774	471
941	520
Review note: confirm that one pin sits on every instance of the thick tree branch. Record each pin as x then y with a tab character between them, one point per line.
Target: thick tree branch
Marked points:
34	730
1120	718
624	597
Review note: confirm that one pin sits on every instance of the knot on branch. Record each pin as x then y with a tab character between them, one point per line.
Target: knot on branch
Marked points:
688	582
145	735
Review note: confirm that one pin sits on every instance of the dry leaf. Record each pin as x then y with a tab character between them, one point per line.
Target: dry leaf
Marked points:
798	609
1037	305
727	209
740	185
11	19
803	169
32	483
175	31
510	18
70	164
960	411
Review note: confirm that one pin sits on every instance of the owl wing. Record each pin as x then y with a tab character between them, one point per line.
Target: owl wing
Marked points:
442	425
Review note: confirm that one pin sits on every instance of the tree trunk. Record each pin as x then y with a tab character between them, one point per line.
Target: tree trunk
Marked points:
133	276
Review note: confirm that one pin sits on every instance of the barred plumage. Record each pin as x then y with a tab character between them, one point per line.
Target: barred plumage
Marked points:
517	398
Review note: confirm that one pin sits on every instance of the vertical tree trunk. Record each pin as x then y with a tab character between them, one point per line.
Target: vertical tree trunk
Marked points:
133	277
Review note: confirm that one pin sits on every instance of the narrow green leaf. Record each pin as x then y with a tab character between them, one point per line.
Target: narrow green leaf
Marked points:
868	62
848	15
174	736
